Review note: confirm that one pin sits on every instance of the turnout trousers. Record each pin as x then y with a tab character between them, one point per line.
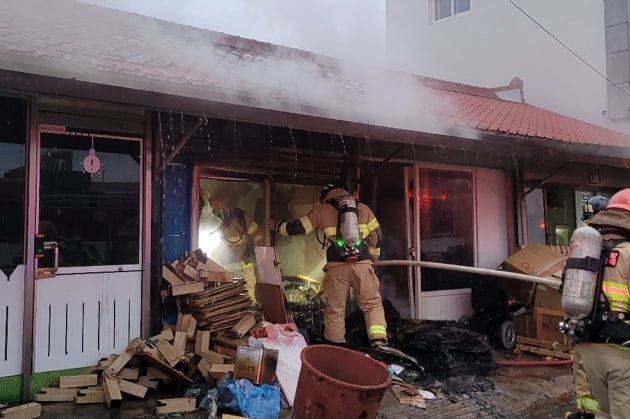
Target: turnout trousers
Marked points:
340	277
608	371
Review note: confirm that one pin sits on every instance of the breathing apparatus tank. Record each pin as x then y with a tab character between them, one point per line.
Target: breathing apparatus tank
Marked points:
348	236
580	273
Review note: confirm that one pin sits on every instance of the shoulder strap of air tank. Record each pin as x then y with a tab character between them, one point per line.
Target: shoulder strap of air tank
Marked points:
332	202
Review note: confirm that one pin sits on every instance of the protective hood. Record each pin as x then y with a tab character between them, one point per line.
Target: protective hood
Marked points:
611	218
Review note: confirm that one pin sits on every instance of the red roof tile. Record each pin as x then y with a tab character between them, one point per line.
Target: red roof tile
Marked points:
78	41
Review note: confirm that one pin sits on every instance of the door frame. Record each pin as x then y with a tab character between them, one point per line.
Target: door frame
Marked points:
33	147
411	175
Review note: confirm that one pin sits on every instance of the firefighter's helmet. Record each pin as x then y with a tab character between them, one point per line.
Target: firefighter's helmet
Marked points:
594	205
329	187
620	200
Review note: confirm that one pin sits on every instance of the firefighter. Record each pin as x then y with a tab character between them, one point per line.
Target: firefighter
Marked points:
348	265
238	232
606	354
584	401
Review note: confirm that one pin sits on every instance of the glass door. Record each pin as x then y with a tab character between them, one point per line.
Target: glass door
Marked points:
440	215
88	292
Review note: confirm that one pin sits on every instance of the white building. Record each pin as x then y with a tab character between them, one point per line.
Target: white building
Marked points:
487	43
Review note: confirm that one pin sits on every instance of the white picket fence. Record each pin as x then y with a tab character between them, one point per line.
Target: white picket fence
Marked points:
81	318
11	321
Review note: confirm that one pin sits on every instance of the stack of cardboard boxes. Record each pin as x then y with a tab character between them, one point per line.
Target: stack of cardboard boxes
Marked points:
545	312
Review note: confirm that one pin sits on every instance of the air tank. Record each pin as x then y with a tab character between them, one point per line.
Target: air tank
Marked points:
579	286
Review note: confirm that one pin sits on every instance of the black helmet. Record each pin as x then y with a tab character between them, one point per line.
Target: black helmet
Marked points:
594	205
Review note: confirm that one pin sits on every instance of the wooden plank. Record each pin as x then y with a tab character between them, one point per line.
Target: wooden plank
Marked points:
90	397
187	288
119	363
556	346
23	411
202	341
272	301
213	357
166	334
170	276
106	362
165	368
113	398
155	373
183	321
129	374
180	320
170	354
544	352
191	327
133	389
179	343
54	394
70	381
149	382
180	404
244	325
204	368
191	273
226	416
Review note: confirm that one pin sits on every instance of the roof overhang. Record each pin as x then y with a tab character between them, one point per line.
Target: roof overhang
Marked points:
456	137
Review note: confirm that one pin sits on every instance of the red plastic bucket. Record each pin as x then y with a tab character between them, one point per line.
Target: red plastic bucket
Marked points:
336	382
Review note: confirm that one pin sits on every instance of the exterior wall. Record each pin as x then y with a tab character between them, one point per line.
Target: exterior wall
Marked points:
617	24
494	42
491	228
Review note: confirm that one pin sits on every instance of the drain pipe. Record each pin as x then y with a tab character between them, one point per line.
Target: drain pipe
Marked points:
473	270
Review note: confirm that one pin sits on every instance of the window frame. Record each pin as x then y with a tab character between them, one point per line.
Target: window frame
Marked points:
453	13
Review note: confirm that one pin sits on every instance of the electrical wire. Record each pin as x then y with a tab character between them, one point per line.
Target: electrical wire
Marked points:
568	48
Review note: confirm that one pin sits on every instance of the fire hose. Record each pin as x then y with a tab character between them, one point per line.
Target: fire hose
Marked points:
471	269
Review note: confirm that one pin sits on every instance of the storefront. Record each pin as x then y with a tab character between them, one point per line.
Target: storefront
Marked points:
116	155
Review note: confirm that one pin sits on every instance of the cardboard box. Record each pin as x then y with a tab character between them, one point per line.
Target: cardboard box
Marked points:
256	364
534	259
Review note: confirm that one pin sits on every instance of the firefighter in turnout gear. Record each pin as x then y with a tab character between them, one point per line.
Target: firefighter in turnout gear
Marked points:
352	233
584	401
605	348
238	234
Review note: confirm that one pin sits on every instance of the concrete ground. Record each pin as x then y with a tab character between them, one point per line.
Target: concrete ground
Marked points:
539	392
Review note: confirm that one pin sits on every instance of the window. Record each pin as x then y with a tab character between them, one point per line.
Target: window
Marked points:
447	8
93	217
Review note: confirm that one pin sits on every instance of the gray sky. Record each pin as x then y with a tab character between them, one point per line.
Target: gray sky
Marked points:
353	29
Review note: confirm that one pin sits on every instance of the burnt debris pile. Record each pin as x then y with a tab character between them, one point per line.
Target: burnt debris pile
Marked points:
447	351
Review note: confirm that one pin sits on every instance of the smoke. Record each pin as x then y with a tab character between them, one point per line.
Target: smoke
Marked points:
350	29
196	63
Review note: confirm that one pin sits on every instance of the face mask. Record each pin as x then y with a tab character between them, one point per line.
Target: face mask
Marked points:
225	215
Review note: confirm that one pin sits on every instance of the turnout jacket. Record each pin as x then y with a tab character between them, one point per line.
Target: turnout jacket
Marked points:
324	217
